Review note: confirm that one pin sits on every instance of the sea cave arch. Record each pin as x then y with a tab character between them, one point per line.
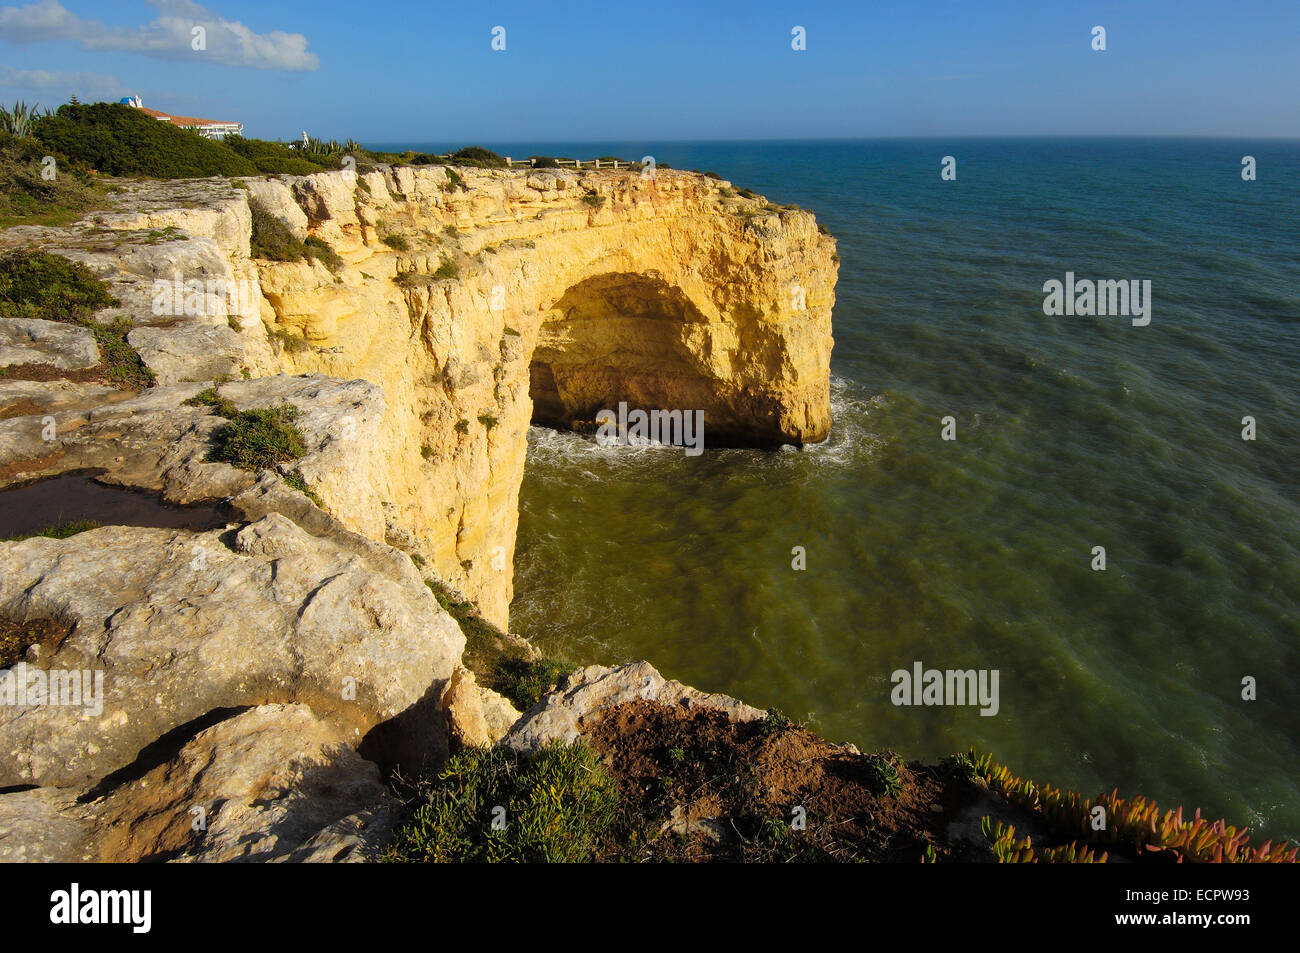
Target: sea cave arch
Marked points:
630	337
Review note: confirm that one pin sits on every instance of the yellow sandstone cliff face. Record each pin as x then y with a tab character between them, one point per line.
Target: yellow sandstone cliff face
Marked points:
511	295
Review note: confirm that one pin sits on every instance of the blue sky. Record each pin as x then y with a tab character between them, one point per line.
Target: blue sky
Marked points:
619	70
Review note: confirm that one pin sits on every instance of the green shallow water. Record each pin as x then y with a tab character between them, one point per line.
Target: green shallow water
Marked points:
1072	433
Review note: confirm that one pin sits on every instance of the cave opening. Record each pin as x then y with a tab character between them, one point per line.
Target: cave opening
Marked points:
619	338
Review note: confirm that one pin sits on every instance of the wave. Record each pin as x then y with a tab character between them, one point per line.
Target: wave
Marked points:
850	443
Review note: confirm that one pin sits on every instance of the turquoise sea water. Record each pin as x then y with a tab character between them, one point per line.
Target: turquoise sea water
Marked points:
1073	432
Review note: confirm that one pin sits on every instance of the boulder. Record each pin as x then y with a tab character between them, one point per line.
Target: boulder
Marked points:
564	714
181	624
273	783
33	341
476	716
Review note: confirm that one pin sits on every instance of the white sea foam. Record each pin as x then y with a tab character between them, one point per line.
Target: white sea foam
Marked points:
851	442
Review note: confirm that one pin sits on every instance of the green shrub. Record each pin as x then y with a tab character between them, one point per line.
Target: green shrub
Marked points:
294	479
500	663
396	242
478	157
488	420
36	284
320	249
116	139
525	681
453	177
289	342
462	426
271	238
559	803
543	162
27	198
259	439
447	269
211	399
290	165
39	285
885	777
274	158
594	199
123	365
775	722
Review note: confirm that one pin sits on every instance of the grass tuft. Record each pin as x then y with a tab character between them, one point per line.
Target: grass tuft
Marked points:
491	805
259	439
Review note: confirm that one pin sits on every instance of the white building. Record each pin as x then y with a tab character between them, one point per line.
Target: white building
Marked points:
211	128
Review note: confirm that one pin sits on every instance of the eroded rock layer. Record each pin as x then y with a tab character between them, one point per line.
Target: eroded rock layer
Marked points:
476	306
268	669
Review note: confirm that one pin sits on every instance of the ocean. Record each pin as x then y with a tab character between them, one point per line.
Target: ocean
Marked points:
1072	432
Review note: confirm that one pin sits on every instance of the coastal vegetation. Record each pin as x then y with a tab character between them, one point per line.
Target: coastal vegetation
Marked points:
557	806
57	531
505	664
273	241
1134	828
36	190
258	439
115	139
35	284
85	141
652	782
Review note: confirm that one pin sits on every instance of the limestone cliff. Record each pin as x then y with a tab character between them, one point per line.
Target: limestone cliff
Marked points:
263	671
478	301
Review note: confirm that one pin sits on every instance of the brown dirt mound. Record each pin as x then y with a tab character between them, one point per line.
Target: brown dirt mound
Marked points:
728	791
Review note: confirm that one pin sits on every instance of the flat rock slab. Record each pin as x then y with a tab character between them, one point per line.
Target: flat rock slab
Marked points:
33	341
178	624
189	352
273	783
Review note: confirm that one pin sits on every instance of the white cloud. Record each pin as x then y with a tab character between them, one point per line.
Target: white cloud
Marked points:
166	37
39	79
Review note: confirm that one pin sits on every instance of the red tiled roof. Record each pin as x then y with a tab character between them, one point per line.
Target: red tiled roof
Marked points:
186	120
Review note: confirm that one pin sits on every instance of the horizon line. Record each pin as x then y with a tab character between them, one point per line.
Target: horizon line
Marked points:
1015	136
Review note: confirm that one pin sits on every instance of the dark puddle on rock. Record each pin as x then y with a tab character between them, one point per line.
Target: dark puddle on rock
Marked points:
76	498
